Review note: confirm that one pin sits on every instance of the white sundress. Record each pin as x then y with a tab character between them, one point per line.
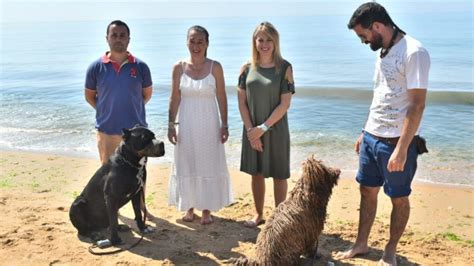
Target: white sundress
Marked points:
199	174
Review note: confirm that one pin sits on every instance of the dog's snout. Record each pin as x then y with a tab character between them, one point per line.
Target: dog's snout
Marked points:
162	148
156	149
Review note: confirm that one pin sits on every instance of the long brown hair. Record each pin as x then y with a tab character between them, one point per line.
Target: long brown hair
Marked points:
268	29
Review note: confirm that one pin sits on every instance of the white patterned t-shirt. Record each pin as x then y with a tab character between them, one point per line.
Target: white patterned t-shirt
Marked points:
405	67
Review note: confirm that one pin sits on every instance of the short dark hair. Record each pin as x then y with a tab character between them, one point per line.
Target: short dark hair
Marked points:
369	13
118	23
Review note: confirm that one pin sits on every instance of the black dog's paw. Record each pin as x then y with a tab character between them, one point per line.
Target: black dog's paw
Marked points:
116	241
147	230
96	236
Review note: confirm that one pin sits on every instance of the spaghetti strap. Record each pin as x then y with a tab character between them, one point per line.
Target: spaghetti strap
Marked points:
212	64
182	63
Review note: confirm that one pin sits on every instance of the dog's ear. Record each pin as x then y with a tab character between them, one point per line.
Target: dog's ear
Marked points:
125	133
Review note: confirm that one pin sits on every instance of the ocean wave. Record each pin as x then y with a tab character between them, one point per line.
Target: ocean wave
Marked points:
463	97
38	130
434	96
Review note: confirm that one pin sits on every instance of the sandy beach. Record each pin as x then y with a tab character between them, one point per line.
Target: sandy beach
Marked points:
36	191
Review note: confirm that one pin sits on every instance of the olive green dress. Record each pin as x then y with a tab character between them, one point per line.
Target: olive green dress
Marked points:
263	88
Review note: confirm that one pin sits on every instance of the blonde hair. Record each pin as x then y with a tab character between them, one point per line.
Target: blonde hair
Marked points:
269	30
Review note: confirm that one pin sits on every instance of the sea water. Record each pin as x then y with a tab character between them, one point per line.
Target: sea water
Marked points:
43	69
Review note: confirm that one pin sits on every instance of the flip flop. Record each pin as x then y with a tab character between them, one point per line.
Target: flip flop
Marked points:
253	224
148	229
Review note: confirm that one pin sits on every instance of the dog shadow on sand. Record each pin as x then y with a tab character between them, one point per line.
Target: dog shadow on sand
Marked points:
188	242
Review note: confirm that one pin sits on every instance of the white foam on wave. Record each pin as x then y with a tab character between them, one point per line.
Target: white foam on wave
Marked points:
39	130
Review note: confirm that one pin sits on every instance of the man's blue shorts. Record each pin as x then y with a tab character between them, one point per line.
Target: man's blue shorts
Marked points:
373	160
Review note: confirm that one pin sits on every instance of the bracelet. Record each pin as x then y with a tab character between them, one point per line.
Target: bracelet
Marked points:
225	126
172	124
263	127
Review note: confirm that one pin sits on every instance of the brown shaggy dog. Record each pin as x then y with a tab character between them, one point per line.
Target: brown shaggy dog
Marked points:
295	225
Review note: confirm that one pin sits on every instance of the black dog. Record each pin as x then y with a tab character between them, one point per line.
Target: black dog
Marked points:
117	182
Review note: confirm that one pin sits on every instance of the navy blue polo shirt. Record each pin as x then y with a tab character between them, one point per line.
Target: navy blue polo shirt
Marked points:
119	93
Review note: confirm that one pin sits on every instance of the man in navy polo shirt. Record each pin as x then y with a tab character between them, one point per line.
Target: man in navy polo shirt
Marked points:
118	85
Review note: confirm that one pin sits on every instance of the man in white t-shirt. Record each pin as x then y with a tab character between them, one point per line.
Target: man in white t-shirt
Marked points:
387	146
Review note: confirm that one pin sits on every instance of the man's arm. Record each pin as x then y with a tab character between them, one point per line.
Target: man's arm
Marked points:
91	97
417	99
147	92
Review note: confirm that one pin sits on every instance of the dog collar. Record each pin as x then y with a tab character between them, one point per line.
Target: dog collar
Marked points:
141	163
140	173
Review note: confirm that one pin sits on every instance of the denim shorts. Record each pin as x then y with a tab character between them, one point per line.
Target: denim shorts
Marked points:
373	160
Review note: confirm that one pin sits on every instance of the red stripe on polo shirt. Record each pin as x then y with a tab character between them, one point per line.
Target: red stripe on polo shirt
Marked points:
116	66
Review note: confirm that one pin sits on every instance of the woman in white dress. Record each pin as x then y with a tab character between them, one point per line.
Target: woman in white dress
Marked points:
199	177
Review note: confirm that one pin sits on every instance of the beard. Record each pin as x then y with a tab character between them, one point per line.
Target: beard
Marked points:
377	42
118	47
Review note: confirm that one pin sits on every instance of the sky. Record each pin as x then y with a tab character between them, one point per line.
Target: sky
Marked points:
85	10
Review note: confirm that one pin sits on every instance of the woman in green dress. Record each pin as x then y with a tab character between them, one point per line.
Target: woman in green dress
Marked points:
265	89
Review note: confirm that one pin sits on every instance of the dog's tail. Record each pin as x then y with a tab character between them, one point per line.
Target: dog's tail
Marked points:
242	261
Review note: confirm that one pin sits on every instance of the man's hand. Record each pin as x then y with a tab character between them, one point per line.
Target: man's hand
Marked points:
397	160
358	142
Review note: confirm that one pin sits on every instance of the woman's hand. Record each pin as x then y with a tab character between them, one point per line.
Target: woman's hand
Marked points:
257	145
172	137
224	134
254	134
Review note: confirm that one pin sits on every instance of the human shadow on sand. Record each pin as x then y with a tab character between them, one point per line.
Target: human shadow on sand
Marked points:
330	244
191	242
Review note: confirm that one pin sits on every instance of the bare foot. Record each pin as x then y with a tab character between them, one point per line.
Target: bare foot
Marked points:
189	217
254	222
353	251
387	260
206	217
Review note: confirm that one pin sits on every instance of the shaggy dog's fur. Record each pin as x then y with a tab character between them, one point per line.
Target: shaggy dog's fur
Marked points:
295	225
